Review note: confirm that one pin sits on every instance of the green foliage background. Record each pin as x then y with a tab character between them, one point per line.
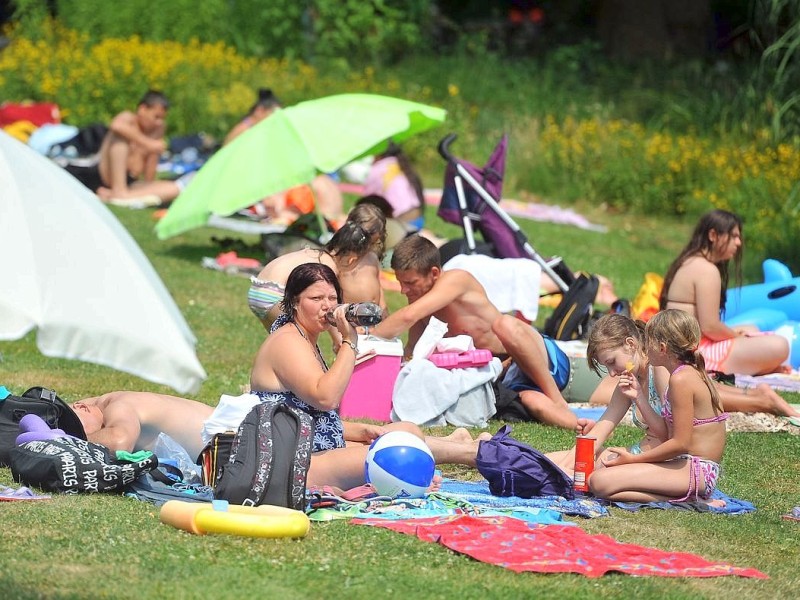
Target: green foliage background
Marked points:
353	31
672	137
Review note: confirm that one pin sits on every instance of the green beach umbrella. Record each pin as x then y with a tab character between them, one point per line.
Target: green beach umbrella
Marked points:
291	147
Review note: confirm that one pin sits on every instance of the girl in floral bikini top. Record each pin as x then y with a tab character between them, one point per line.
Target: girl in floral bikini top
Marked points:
686	465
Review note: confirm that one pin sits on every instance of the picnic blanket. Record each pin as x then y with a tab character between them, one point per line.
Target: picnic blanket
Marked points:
534	211
327	506
477	493
733	506
784	382
521	546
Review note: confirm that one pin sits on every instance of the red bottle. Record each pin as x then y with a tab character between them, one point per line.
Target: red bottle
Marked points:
584	462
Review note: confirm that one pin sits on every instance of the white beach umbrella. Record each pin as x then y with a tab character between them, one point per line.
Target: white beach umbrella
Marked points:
69	269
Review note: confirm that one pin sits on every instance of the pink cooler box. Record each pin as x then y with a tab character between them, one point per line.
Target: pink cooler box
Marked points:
369	393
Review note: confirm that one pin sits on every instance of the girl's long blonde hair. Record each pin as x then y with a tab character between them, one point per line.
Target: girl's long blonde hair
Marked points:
680	331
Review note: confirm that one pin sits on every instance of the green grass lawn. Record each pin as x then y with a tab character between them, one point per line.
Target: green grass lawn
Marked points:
112	547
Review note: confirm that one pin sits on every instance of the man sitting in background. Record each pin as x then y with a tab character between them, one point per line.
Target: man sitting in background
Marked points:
130	151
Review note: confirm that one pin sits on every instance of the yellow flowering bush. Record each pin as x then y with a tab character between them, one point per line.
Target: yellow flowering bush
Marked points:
598	158
210	85
630	168
92	82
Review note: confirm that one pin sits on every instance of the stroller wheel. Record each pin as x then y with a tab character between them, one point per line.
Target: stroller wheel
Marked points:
459	246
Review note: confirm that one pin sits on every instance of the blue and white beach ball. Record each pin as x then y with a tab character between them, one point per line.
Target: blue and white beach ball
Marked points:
400	465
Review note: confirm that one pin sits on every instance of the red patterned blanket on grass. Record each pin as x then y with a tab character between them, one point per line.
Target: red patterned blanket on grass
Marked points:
521	546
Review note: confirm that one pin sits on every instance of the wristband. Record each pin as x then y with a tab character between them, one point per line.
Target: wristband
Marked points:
352	345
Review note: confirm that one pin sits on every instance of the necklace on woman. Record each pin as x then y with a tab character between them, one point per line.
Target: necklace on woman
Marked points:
316	347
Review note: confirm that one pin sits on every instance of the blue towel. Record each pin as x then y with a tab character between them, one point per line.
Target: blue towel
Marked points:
588	413
477	493
733	506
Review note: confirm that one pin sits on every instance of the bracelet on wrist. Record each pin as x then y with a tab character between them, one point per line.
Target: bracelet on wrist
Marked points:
351	344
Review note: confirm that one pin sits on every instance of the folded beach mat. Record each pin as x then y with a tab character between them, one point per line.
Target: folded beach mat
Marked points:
521	546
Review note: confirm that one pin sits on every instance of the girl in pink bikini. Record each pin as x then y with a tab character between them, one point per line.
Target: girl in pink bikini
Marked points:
686	466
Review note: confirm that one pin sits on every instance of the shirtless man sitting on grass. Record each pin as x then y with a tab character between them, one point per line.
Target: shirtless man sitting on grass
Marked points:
130	152
459	300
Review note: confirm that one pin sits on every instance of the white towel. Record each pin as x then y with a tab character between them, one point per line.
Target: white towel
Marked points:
425	394
458	343
510	283
228	415
426	344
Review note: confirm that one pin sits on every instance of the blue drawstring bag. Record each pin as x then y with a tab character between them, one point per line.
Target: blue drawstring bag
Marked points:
516	469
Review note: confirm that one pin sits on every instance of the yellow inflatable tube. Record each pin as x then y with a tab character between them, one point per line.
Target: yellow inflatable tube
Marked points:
220	517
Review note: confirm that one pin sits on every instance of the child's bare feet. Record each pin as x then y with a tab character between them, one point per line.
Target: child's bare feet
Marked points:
436	482
460	434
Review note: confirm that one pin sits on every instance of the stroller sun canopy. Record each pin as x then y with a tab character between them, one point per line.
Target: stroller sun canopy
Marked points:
490	176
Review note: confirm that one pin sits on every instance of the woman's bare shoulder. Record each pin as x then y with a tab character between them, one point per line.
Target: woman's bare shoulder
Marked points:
278	269
699	265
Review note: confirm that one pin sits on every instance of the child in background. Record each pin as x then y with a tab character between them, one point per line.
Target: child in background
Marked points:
393	177
286	206
686	465
354	253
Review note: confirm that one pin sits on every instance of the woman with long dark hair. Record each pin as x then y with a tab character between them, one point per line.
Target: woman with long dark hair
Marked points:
697	282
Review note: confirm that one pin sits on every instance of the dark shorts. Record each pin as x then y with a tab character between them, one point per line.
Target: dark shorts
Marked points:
90	176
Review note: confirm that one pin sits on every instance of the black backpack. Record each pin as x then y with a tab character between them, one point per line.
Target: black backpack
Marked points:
38	401
269	458
86	142
71	466
570	319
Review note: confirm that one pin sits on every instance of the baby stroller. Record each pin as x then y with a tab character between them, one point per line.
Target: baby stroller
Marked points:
470	198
